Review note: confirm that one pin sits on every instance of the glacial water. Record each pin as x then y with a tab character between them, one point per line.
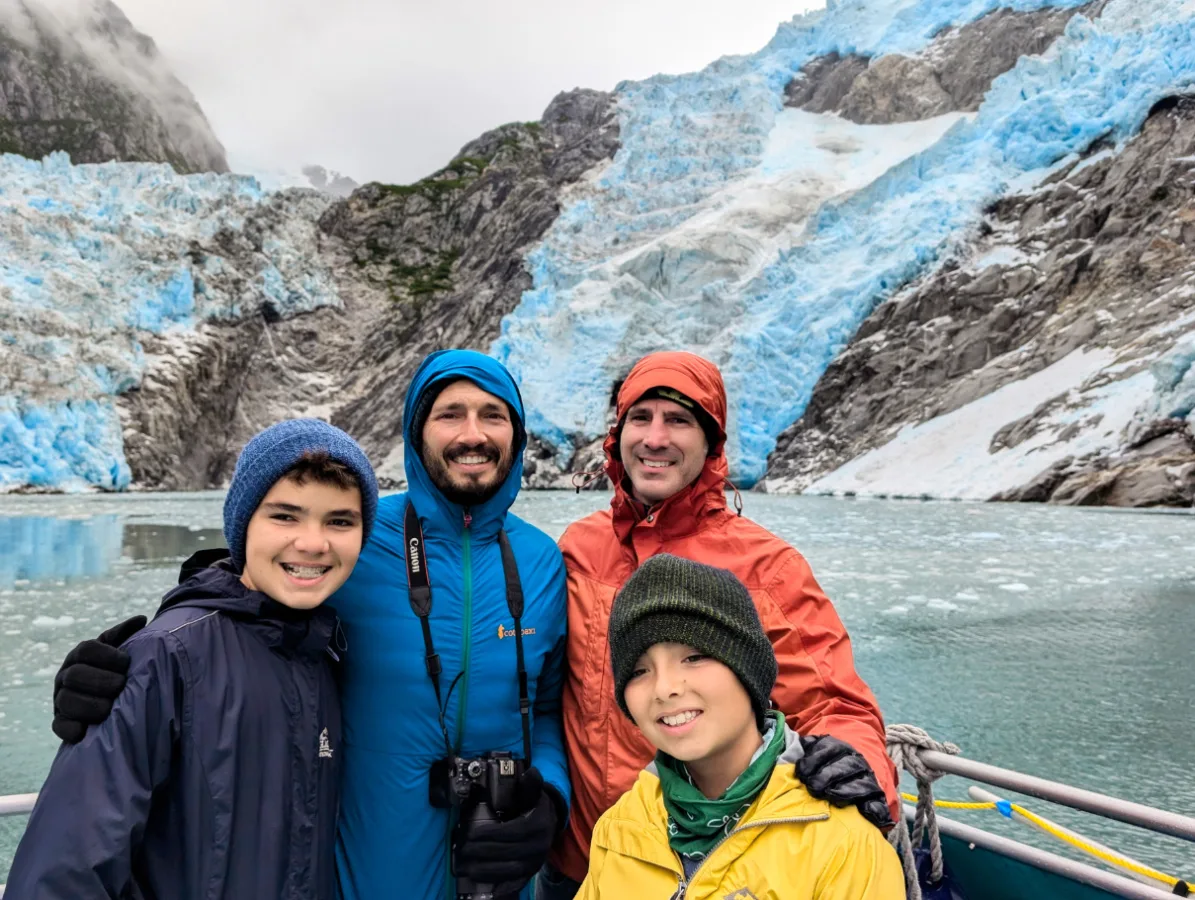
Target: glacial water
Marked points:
1054	641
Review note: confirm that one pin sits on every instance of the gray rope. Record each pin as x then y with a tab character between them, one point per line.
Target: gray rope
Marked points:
905	743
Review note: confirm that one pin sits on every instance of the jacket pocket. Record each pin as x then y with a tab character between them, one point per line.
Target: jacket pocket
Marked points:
597	682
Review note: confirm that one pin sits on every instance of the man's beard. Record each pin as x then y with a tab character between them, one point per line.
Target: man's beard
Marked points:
469	493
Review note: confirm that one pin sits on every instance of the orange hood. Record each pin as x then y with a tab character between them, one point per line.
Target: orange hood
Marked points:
699	380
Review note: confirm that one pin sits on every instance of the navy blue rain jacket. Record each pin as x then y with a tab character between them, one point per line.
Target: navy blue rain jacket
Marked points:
393	842
217	774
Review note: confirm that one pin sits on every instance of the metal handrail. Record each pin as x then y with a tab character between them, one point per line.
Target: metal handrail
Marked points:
1049	862
1076	798
17	804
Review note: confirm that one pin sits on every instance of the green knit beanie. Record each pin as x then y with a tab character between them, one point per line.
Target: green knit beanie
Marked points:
674	600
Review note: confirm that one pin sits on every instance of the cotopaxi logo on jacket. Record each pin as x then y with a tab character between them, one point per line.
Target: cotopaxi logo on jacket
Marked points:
325	745
504	632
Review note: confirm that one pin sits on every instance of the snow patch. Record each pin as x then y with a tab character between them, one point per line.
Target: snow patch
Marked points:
949	456
1005	257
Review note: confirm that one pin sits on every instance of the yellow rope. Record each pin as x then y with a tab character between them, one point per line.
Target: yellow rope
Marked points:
1041	823
952	804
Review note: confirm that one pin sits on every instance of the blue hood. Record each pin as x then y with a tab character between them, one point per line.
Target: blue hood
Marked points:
489	375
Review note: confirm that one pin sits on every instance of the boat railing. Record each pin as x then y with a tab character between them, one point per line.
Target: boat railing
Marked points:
1122	881
17	804
1063	794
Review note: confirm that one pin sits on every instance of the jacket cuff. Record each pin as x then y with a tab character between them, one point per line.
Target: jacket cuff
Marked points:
560	805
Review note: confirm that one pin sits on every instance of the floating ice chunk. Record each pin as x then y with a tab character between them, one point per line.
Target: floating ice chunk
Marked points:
53	622
942	605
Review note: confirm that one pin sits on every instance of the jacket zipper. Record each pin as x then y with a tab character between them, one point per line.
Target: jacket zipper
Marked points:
683	887
313	792
467	569
468	652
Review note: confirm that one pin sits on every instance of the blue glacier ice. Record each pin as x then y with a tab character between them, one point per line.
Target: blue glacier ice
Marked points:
672	246
91	257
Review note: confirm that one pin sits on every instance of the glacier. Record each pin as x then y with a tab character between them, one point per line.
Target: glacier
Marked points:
661	249
91	255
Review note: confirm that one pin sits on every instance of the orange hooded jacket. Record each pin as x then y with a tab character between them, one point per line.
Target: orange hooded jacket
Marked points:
817	688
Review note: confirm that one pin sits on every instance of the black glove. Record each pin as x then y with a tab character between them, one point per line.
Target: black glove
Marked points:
91	678
835	771
508	854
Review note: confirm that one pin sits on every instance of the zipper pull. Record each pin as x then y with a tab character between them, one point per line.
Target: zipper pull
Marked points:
468	518
680	891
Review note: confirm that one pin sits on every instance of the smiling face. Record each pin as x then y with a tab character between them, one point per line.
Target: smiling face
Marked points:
303	541
468	443
696	710
663	449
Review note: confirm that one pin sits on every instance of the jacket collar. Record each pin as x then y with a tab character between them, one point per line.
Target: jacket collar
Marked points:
642	829
438	515
209	581
679	515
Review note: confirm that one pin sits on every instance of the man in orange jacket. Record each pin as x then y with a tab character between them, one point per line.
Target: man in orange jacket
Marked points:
665	459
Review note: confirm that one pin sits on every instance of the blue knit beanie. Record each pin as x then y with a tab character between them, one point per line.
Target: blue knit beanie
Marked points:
267	457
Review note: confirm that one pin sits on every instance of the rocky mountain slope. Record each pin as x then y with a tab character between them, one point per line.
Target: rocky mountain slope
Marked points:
80	79
1091	262
416	268
1096	262
936	252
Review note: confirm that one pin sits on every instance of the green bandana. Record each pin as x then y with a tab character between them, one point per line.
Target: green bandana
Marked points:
696	823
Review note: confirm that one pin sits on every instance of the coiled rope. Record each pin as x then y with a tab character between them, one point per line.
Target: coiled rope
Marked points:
905	744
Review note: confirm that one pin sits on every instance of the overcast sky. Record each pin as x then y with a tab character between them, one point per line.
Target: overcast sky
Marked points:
390	89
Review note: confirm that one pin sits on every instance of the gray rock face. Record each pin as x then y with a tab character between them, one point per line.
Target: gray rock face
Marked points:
417	267
92	85
1100	256
205	392
824	83
448	250
952	75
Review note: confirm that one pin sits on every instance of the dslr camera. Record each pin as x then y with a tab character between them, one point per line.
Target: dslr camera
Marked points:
484	789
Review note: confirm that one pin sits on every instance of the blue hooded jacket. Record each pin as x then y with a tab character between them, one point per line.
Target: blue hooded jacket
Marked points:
216	775
392	841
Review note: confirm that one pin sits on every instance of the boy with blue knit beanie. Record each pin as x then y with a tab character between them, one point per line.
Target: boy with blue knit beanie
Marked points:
217	773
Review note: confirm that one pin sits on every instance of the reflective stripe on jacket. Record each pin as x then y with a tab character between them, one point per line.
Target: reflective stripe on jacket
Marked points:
818	688
787	846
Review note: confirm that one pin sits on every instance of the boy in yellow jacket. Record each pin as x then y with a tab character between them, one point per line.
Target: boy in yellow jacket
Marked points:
720	813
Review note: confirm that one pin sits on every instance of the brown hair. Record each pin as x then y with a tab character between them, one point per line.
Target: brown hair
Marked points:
323	469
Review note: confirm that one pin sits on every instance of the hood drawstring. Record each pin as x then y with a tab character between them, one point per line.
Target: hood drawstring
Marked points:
738	498
582	480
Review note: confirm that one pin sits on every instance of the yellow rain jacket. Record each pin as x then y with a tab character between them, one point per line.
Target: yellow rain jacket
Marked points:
788	846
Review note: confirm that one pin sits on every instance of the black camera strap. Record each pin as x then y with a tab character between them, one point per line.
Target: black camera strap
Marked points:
419	586
514	602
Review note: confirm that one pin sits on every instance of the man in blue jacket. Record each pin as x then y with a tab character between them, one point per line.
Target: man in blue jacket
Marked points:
463	424
463	428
